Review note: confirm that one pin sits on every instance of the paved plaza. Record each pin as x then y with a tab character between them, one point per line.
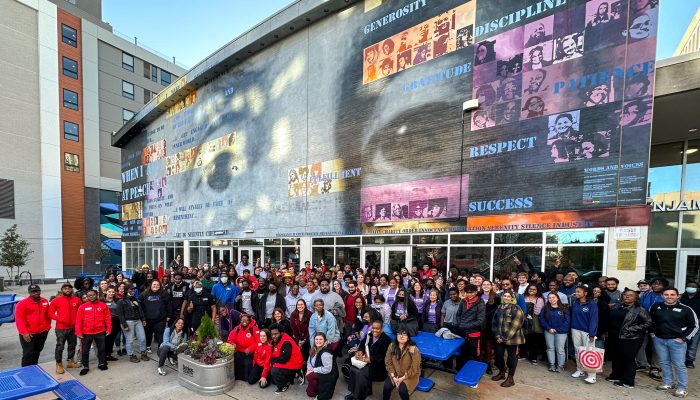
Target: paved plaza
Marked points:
126	380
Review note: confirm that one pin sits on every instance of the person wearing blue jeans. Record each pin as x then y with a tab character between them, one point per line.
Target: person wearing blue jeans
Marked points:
173	343
131	321
691	298
556	324
674	324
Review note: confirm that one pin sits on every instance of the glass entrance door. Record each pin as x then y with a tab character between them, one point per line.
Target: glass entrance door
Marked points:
387	259
221	253
689	268
158	257
253	254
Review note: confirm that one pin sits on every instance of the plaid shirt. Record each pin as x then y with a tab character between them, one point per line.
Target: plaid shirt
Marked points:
507	324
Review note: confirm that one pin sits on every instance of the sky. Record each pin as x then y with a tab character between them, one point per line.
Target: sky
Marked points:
177	28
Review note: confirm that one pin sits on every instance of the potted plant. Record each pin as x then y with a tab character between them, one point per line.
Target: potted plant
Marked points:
206	367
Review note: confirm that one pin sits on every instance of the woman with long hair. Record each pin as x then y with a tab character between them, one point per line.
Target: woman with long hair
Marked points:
432	312
532	348
280	318
111	301
555	324
507	329
155	303
491	299
419	298
321	369
299	321
261	360
338	288
441	289
404	314
173	343
373	292
403	364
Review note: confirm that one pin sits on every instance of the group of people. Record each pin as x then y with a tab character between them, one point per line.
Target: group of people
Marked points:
317	323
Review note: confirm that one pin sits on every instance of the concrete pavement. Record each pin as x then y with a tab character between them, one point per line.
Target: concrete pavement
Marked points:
126	380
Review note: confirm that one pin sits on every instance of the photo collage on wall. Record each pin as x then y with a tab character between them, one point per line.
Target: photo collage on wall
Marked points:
584	56
431	39
320	178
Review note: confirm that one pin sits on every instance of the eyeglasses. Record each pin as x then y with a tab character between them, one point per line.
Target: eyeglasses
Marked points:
402	334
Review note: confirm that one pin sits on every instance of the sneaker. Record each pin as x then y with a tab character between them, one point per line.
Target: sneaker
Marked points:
134	359
680	393
689	364
301	378
533	362
664	387
103	367
613	380
284	389
149	351
577	374
560	370
144	357
84	371
623	385
590	379
172	361
161	371
111	358
655	375
642	368
552	368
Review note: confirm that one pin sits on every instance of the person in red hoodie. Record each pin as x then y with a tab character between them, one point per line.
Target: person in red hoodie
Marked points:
64	309
93	323
286	359
33	325
245	338
261	360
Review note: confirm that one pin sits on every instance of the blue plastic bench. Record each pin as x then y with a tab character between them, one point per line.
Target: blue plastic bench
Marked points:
73	390
471	373
25	382
425	384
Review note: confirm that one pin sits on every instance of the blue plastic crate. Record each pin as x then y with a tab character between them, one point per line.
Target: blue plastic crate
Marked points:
7	312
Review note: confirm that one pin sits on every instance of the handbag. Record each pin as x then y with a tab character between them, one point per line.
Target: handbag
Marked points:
590	359
359	363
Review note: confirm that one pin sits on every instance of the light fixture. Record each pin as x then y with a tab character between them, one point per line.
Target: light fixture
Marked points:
219	233
248	231
692	130
382	224
691	151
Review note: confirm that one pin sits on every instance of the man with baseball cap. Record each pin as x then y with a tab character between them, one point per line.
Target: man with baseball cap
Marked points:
33	324
63	309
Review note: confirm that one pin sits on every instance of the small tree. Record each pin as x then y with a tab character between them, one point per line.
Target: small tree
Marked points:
14	250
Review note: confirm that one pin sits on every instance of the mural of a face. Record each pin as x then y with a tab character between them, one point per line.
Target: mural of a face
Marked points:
641	27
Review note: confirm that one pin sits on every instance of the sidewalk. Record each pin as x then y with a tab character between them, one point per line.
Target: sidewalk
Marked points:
126	380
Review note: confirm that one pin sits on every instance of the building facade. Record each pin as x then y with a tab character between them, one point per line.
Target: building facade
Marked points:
69	82
690	42
340	131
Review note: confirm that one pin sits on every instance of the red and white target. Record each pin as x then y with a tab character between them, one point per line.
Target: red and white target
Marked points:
591	360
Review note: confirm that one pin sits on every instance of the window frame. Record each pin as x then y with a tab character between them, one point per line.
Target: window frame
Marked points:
126	65
75	137
154	73
71	105
124	111
66	71
163	74
126	93
67	39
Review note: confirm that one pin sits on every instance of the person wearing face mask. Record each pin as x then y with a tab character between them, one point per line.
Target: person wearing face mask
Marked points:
267	303
404	313
198	303
177	292
224	292
93	322
691	299
247	300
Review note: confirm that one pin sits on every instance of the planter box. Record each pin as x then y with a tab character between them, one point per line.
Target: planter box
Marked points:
205	379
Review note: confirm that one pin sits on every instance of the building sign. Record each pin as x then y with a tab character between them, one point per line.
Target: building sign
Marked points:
628	232
683	205
71	162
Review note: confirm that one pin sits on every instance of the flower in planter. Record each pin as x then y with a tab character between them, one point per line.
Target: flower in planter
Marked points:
205	347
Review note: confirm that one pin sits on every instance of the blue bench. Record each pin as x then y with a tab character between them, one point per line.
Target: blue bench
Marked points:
424	384
73	390
7	311
25	382
471	373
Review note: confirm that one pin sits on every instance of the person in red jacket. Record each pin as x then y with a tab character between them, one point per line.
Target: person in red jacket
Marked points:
93	323
286	359
33	325
64	309
261	360
245	338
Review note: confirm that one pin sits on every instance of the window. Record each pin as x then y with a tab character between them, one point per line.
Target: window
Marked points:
146	69
154	73
70	68
69	35
71	162
692	171
71	131
165	77
128	90
128	62
127	115
665	170
147	96
7	199
70	99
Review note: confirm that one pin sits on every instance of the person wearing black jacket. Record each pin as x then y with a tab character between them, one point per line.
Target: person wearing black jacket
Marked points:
131	321
177	293
404	313
266	304
691	298
198	303
155	305
471	317
372	351
247	300
674	324
627	326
